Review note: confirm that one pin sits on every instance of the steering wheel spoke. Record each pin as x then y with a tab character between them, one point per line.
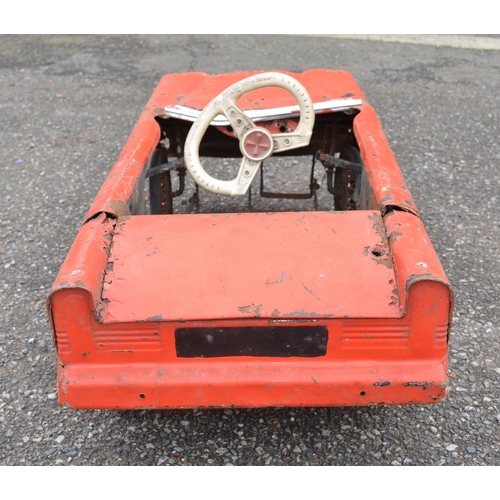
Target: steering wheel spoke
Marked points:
284	142
256	143
248	169
239	121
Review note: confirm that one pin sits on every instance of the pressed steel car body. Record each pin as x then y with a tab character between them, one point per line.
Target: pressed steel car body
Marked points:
348	306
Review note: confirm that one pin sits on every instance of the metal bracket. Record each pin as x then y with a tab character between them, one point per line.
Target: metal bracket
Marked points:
171	165
332	161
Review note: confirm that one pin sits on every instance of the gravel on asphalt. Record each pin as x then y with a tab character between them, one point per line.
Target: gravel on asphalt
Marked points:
68	104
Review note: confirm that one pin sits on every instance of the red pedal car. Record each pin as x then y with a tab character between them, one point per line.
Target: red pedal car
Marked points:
344	302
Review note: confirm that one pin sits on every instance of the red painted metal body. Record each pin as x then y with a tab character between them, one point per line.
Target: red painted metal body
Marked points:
370	277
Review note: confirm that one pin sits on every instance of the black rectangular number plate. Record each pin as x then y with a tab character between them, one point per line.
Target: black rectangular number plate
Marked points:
263	341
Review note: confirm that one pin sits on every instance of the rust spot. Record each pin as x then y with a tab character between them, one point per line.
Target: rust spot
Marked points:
275	313
158	110
387	261
416	278
119	207
256	310
378	226
158	317
382	384
99	309
122	221
303	313
424	385
275	321
394	296
380	255
395	235
377	251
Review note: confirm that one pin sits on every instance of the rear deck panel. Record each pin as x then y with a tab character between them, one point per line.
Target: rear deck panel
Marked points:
254	265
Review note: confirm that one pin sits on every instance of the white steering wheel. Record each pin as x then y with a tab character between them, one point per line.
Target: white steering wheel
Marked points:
256	143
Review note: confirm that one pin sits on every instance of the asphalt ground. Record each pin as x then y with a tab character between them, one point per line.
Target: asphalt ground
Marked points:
68	103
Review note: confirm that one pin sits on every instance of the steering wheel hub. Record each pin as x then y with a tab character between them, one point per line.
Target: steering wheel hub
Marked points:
257	144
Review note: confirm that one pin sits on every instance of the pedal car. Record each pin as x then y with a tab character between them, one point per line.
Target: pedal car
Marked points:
165	303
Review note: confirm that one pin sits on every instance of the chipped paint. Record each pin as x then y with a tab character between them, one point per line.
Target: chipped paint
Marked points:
119	208
423	385
298	320
395	235
253	309
378	226
154	319
302	313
